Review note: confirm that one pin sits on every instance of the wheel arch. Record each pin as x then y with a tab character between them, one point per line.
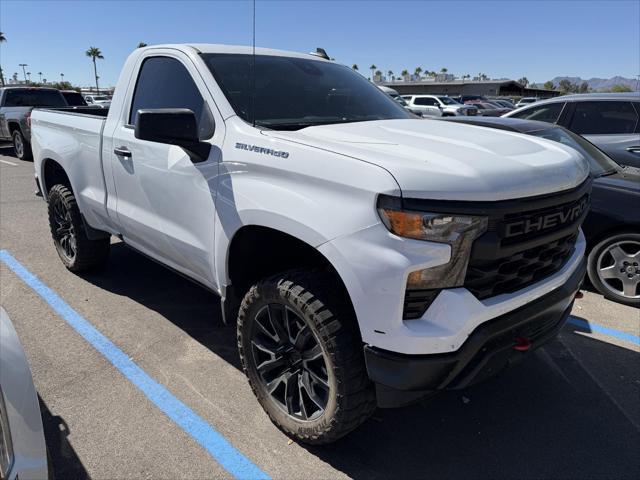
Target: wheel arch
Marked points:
615	229
53	173
13	126
255	252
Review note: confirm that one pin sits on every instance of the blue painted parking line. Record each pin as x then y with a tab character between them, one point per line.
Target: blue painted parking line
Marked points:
595	328
212	441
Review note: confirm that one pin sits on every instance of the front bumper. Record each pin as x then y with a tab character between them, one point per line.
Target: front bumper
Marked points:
401	379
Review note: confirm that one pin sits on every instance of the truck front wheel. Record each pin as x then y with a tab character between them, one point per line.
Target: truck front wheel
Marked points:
76	251
301	351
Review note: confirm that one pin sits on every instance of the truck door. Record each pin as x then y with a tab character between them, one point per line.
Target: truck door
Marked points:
165	201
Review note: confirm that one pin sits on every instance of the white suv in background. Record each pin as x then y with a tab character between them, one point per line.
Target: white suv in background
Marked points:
439	106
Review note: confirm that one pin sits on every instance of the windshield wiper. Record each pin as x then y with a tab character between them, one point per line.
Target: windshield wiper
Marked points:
302	124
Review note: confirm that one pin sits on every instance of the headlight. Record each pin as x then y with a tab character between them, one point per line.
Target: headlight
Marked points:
6	450
458	231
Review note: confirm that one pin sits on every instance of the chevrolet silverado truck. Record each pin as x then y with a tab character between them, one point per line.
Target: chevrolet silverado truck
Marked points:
366	257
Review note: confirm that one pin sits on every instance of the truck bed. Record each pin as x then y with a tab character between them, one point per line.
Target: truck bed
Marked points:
72	137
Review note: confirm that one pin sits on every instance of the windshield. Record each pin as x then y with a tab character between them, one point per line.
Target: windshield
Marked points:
101	98
448	101
293	93
599	163
34	98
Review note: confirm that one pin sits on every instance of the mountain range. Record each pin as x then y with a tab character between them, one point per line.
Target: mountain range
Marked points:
597	84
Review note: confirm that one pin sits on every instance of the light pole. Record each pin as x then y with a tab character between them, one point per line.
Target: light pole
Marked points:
24	72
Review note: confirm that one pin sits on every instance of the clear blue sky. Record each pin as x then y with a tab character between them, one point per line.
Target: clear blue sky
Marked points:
537	39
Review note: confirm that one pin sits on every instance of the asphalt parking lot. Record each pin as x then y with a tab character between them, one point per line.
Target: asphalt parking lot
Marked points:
572	410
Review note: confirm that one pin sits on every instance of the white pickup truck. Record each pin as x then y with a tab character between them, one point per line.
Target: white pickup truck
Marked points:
367	257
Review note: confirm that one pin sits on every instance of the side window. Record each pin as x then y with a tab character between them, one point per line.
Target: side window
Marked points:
164	82
424	101
545	113
604	117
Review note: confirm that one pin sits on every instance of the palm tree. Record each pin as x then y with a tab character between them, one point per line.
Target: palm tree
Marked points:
29	75
1	77
404	73
62	78
372	68
2	38
40	75
418	71
444	70
354	67
142	44
93	53
390	75
524	81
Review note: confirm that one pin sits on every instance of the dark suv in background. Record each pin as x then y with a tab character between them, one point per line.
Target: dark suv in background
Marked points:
611	121
16	104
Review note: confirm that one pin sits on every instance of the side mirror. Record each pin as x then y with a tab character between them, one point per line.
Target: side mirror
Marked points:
173	126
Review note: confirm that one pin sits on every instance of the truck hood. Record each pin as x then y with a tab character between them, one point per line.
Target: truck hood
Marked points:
447	161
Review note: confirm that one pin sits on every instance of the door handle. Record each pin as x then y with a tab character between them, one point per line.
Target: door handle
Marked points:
633	149
122	152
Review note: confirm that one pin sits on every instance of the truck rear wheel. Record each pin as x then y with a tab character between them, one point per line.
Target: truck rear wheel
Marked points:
76	251
21	147
302	353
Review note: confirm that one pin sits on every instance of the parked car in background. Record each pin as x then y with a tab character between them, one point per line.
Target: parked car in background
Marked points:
611	121
488	109
503	103
425	104
23	451
448	106
396	96
73	98
612	227
102	101
526	101
464	99
16	104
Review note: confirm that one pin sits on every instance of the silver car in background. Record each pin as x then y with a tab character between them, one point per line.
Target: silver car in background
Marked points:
23	452
611	121
101	101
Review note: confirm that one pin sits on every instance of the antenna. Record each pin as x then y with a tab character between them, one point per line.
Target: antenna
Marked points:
253	69
320	52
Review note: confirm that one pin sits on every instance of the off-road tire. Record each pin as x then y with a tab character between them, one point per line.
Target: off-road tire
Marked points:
22	152
89	254
314	298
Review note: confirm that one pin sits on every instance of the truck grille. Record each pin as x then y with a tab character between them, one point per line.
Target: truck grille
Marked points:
489	278
527	240
522	248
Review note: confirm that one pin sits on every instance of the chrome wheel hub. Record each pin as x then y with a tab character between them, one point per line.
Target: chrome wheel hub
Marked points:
619	268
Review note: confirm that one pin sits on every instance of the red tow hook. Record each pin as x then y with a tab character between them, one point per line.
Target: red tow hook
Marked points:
522	344
579	295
